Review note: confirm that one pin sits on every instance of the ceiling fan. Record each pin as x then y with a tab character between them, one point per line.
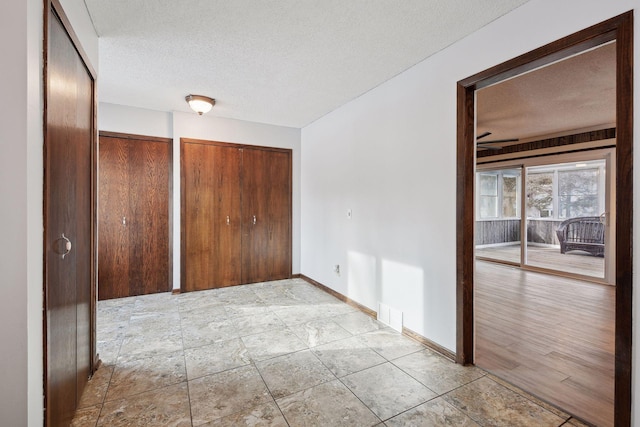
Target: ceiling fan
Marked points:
488	144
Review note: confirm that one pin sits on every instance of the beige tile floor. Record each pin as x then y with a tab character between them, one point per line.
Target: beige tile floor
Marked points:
281	354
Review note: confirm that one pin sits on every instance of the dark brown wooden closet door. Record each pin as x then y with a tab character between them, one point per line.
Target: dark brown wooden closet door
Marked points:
68	225
149	217
85	260
113	208
133	224
266	236
211	225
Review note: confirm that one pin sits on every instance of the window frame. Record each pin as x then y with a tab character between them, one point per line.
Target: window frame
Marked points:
607	154
500	174
598	164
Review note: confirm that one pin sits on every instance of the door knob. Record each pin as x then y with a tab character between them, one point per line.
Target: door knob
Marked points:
62	246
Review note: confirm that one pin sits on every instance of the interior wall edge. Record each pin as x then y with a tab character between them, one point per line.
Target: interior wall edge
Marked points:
35	217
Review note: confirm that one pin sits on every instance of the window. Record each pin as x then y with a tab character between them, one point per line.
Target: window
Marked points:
547	191
498	194
578	193
510	196
488	203
565	190
540	195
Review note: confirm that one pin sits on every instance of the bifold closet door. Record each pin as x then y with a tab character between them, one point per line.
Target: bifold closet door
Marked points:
236	214
133	222
266	210
69	148
113	207
211	207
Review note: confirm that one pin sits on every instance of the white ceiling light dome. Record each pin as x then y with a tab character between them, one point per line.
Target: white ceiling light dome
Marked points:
200	104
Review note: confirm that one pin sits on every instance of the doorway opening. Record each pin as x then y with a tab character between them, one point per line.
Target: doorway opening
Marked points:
620	30
544	307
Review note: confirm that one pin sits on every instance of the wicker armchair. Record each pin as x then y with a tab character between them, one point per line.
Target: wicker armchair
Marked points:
583	234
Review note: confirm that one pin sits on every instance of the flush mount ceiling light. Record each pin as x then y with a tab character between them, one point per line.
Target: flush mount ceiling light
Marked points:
200	104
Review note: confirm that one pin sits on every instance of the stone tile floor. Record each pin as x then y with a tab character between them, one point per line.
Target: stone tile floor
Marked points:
282	353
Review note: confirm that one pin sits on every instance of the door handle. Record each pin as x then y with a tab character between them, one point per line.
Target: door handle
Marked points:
254	220
228	220
124	220
62	246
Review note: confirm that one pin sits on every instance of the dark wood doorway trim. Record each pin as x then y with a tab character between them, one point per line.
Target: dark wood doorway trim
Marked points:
619	29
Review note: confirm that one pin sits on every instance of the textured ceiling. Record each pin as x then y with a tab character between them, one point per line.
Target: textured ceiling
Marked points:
578	93
283	62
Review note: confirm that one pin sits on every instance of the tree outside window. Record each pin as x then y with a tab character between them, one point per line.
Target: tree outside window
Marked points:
540	195
578	193
565	190
510	196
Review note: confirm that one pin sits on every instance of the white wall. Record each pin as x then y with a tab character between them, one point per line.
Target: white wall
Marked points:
176	125
34	218
138	121
21	221
390	156
14	222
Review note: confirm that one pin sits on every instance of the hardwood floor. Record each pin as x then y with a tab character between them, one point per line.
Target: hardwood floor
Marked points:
576	262
551	336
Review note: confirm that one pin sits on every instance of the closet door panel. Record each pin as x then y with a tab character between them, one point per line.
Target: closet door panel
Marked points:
254	216
148	223
266	241
279	214
211	216
84	166
197	196
68	227
133	222
227	210
113	235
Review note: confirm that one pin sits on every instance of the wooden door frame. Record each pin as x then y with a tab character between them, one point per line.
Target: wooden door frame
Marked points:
54	7
619	28
108	134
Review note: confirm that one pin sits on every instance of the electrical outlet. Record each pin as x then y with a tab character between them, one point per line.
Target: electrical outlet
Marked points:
336	269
